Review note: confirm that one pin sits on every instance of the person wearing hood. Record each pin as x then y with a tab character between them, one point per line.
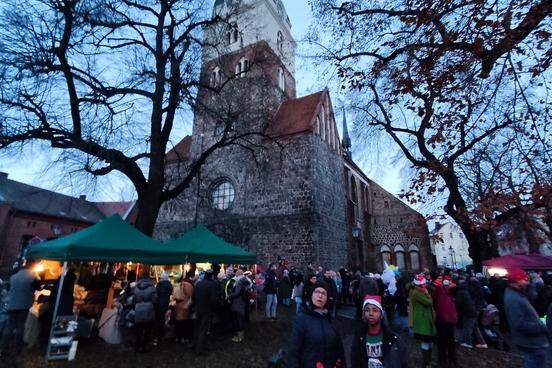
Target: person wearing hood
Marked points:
422	322
529	333
164	291
239	298
374	344
315	338
145	300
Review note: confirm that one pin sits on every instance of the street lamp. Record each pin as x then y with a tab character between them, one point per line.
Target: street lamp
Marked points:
452	252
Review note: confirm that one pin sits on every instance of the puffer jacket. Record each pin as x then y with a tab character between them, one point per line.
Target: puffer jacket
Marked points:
315	338
395	351
145	299
238	296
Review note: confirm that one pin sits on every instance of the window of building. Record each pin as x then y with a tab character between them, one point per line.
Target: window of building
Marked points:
216	77
242	67
281	79
386	204
400	258
222	194
389	220
232	35
280	41
354	197
386	254
451	236
414	252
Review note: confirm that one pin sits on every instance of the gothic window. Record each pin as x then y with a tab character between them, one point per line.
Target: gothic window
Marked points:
400	259
386	254
242	67
222	194
281	79
354	197
414	257
216	77
233	34
386	204
280	41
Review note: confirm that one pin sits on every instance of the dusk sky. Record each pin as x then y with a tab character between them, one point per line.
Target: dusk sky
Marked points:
31	166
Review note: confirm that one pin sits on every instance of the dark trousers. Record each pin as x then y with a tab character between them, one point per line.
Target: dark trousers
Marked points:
184	329
201	327
446	347
143	334
15	327
239	321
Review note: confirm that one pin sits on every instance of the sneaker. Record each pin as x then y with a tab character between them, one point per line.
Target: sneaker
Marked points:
481	346
467	346
155	342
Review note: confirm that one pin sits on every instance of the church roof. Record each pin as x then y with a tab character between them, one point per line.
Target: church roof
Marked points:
180	151
296	115
111	208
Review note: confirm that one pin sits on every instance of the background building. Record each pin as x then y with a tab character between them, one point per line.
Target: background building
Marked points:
299	194
449	245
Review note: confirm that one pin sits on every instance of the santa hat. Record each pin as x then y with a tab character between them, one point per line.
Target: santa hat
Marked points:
517	274
372	300
420	280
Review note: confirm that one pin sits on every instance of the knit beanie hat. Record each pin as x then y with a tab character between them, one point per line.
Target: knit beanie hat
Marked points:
517	274
419	280
372	300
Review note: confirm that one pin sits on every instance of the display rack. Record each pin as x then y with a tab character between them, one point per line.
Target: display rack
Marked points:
62	337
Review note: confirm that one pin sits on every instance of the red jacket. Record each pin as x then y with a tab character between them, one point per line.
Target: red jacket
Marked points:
445	309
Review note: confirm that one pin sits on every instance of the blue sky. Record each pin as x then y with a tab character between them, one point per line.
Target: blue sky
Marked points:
31	166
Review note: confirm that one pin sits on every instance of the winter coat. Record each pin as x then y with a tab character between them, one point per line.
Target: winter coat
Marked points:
239	296
205	297
465	304
332	295
66	300
315	338
145	299
422	313
184	302
298	291
164	291
478	295
271	283
445	308
285	288
526	328
21	290
395	351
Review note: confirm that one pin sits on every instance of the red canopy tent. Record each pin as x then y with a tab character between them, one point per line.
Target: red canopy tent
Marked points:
526	262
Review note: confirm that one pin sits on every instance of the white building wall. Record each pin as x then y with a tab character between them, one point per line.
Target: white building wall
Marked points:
257	20
450	235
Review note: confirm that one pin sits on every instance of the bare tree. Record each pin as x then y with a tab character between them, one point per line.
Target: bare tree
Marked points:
105	82
461	88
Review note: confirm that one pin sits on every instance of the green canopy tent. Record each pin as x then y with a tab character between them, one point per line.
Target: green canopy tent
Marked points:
201	245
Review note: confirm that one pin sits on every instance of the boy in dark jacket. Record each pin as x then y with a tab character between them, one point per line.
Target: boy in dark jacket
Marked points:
374	344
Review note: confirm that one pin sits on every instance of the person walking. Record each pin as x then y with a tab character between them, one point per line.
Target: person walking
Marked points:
374	344
164	291
529	333
286	288
271	291
421	314
145	301
204	300
445	321
20	297
315	339
182	295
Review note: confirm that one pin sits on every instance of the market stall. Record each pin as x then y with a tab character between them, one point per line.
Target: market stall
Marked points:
533	262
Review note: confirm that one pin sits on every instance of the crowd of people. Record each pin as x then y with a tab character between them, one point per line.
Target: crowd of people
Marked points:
445	308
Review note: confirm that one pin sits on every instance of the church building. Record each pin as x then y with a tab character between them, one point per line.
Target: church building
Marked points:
284	185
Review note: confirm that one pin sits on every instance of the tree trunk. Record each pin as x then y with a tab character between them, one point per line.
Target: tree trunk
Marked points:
149	204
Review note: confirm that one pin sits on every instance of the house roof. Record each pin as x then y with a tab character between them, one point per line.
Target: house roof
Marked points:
111	208
180	151
27	198
296	115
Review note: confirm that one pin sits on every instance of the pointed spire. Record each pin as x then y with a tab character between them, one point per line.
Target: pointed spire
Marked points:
346	142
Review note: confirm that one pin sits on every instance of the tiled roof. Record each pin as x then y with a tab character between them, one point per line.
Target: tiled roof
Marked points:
180	151
32	199
112	208
296	115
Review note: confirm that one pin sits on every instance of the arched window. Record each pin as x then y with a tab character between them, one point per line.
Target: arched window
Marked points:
242	67
400	257
354	197
216	78
222	194
414	252
280	41
385	254
233	34
281	79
